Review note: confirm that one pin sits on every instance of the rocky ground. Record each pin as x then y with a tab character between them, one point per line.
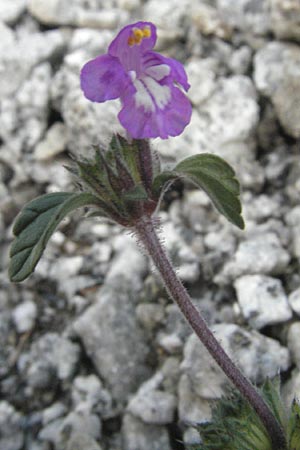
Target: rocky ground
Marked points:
93	353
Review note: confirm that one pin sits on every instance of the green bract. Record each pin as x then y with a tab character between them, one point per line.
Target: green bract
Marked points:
236	426
123	183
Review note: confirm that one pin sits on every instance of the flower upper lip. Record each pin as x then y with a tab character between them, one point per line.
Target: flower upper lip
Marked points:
145	81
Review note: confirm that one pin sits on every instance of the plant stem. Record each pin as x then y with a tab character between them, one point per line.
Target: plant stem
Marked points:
146	233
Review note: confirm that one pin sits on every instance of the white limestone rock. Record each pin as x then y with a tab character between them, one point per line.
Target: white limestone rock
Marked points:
294	343
294	301
262	300
276	74
24	316
11	10
140	436
261	254
285	17
54	142
249	16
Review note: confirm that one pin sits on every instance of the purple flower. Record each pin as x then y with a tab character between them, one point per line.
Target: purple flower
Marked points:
145	82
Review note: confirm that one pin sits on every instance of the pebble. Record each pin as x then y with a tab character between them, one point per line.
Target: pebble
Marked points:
260	254
109	332
54	142
294	301
11	10
24	316
251	16
140	436
153	406
294	343
276	73
11	434
285	17
262	300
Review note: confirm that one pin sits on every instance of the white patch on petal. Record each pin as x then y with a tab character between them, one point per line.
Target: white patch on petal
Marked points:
158	72
161	94
142	97
132	74
149	93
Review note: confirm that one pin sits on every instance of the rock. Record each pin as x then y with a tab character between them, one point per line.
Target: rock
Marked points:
24	316
82	442
150	315
294	301
257	356
66	267
261	254
262	300
291	388
11	434
53	412
276	75
202	78
140	436
240	60
171	343
89	394
273	63
250	16
293	220
293	342
7	36
80	422
54	142
87	123
11	10
182	255
153	406
18	59
167	16
261	207
209	21
126	249
191	408
62	432
109	331
285	17
24	117
61	12
55	12
50	356
191	437
223	124
286	101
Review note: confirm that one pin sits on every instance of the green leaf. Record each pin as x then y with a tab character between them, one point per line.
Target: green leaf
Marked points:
34	226
162	181
271	394
216	177
137	193
294	427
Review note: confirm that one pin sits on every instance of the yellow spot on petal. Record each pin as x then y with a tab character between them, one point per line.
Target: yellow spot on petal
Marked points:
131	41
146	32
138	35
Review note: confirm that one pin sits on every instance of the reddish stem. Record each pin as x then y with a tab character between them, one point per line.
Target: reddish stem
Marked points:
146	233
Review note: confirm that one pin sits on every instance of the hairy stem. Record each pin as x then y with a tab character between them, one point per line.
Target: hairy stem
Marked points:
146	233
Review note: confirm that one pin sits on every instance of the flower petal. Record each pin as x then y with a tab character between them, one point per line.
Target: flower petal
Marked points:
132	42
177	72
155	122
103	78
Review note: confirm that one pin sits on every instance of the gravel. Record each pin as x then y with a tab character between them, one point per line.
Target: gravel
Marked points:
94	354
